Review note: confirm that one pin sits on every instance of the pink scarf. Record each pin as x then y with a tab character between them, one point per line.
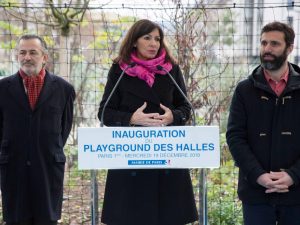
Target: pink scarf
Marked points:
146	69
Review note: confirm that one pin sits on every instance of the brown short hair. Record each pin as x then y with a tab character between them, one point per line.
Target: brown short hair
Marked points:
289	34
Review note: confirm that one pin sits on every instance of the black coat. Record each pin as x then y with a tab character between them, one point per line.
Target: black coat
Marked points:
153	196
264	135
31	155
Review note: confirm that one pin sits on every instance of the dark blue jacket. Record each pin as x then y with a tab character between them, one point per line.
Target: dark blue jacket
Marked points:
263	135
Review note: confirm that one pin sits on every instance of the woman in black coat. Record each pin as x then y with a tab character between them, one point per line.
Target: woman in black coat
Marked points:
146	96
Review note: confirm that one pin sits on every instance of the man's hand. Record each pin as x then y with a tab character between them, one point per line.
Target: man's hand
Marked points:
265	180
275	182
281	182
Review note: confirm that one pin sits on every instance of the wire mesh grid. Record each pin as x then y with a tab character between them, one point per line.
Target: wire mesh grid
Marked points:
216	45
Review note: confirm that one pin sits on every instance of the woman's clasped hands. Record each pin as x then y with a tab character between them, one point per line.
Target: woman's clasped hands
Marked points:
151	119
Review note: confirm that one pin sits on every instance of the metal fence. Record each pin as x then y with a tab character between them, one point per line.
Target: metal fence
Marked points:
215	42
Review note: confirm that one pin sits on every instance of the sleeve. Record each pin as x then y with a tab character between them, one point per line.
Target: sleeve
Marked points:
1	126
112	115
294	173
182	109
67	118
236	136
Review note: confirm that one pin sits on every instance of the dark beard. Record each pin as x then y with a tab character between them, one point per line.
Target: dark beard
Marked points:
276	63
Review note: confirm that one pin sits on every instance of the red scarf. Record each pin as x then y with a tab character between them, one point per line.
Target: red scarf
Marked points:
147	69
33	85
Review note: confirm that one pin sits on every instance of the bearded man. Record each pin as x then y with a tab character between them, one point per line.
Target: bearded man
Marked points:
263	133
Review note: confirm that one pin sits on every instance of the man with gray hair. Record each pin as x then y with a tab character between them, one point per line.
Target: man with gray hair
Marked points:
36	113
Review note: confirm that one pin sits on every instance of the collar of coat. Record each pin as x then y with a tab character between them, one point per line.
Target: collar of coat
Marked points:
293	83
16	88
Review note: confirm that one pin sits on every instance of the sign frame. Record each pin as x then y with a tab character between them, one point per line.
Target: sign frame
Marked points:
148	147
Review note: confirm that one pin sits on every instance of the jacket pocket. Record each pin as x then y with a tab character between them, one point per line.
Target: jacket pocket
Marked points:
4	171
58	171
60	158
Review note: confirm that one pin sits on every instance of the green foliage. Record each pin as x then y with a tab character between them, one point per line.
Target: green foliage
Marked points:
223	206
11	28
124	20
9	3
67	17
225	153
2	72
112	34
8	45
224	33
200	120
101	87
49	40
84	23
102	37
77	58
107	38
72	166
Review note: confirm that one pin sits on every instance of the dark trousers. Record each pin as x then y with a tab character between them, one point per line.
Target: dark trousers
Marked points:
34	222
265	214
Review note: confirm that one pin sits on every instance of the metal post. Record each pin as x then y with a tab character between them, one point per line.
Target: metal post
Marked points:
202	198
205	197
94	198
